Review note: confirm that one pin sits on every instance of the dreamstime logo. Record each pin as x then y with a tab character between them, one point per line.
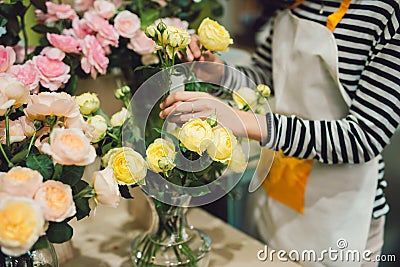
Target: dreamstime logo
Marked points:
144	106
338	254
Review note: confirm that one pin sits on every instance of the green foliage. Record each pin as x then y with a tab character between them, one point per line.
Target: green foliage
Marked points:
42	164
71	174
59	232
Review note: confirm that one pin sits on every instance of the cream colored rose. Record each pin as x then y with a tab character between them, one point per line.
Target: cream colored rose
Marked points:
129	166
106	188
88	103
214	36
51	104
119	118
99	125
245	98
69	147
16	131
56	200
238	163
21	224
20	181
174	39
196	135
13	93
221	148
161	155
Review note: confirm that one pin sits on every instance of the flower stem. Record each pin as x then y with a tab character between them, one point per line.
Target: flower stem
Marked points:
8	142
31	143
10	164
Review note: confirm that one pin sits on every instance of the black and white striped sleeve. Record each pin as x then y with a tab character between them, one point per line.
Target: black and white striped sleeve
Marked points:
373	116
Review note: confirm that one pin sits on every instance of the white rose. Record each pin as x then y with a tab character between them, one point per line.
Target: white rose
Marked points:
119	118
99	125
106	188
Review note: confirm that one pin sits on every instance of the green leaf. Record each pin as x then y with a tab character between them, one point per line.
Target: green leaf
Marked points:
124	190
40	4
59	232
72	174
41	243
82	208
19	156
42	164
148	17
72	85
40	28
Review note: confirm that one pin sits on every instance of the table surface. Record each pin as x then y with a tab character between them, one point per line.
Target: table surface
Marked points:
104	240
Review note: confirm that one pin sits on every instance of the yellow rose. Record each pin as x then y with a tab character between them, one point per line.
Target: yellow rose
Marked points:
264	90
245	97
161	155
196	135
88	103
119	118
221	147
174	39
213	36
238	162
99	125
129	166
21	224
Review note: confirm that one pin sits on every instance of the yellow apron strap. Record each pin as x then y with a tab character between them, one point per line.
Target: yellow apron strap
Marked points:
335	18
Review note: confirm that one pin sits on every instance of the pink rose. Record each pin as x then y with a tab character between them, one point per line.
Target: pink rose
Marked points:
56	12
106	188
45	104
104	8
69	147
162	3
83	5
67	44
106	34
142	44
27	75
127	23
81	28
20	52
7	58
53	72
20	181
56	200
94	60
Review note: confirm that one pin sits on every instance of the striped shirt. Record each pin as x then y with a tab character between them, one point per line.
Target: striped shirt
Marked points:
368	41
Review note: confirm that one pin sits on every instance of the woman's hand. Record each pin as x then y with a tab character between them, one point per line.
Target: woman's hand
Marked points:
180	107
211	72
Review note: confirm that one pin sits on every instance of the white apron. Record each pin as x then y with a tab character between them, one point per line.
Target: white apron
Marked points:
338	198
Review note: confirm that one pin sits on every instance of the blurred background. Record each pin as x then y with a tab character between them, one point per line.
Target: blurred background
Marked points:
244	19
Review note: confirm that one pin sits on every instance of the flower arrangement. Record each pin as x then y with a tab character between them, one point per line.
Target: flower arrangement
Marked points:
94	37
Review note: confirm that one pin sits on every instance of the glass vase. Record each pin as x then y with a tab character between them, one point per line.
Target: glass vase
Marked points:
170	241
41	256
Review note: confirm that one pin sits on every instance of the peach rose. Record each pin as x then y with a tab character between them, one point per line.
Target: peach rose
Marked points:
20	181
105	9
142	44
27	126
127	23
7	58
13	93
56	200
69	147
21	224
56	12
53	72
16	132
51	104
27	75
67	44
106	188
80	123
94	60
